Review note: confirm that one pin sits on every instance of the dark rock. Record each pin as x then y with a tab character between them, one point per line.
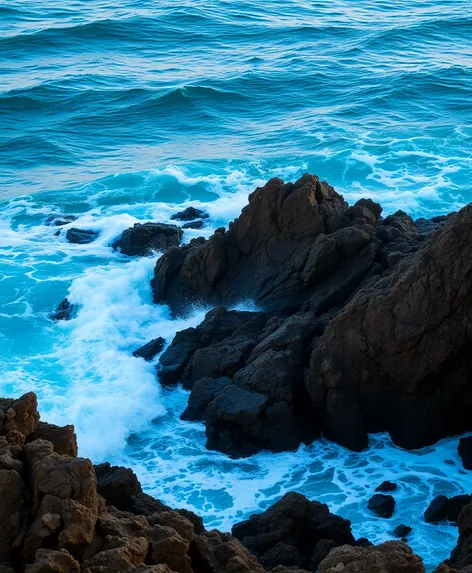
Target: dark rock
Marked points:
398	357
203	392
189	214
151	349
363	542
286	247
63	438
386	486
402	531
144	239
465	451
59	220
81	236
382	505
294	532
65	311
461	556
443	508
193	225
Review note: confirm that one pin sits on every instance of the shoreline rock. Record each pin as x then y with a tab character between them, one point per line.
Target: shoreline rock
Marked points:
142	239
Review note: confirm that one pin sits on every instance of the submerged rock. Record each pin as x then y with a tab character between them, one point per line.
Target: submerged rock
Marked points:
60	220
193	225
294	532
65	311
143	239
81	236
189	214
151	349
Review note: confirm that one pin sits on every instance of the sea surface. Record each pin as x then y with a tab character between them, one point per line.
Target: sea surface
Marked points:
129	110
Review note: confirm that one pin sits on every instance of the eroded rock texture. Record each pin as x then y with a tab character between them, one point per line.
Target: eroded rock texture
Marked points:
145	238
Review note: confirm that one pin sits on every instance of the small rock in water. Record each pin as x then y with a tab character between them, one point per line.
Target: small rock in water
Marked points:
382	505
64	311
60	220
144	238
81	236
465	452
402	531
193	225
189	214
151	349
386	486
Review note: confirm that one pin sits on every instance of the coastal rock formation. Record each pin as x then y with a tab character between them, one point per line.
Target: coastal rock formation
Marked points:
65	310
443	508
461	556
143	239
190	214
465	452
59	220
81	236
382	505
151	349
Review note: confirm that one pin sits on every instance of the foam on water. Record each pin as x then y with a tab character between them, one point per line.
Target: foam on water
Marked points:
84	373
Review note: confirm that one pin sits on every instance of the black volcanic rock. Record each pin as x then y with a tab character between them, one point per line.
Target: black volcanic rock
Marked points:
402	531
193	225
443	508
190	214
145	238
382	505
81	236
386	486
60	220
151	349
465	451
294	532
65	311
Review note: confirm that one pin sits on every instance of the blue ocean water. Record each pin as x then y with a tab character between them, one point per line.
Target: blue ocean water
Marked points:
124	111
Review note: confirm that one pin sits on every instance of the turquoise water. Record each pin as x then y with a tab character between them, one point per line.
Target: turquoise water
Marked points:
124	111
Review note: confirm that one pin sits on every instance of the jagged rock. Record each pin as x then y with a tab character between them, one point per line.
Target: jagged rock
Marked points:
465	451
203	392
81	236
382	505
294	532
65	311
59	220
190	214
390	557
443	508
18	418
50	561
63	438
402	531
461	556
151	349
145	238
287	247
386	486
193	225
397	358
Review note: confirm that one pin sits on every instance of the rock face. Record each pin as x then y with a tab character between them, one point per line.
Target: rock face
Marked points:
397	358
294	532
143	239
81	236
390	557
443	508
294	245
465	452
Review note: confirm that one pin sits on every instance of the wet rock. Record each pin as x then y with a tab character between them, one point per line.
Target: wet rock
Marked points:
190	214
63	438
397	358
386	486
287	246
382	505
81	236
60	220
293	532
443	508
151	349
146	238
65	311
390	557
461	556
193	225
203	392
402	531
465	452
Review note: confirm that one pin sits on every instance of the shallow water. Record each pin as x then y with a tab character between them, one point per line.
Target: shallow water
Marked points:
124	113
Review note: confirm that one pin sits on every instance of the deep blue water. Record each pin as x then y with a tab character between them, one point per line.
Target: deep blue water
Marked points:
121	112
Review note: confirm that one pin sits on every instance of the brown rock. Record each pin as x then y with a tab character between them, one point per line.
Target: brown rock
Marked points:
50	561
18	418
63	438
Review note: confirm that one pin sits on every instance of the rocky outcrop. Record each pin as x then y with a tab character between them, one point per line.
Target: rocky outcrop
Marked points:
390	557
397	358
443	508
465	452
190	214
143	239
151	349
59	220
294	532
65	310
461	556
295	245
382	505
62	438
81	236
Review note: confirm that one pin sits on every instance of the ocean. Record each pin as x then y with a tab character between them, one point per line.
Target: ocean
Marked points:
126	111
